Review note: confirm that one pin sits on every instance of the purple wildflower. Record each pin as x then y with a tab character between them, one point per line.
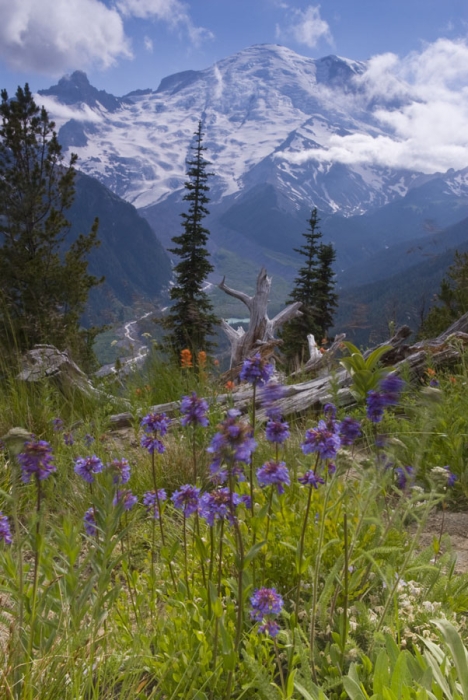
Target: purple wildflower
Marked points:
329	411
68	439
86	467
150	501
349	430
231	444
194	411
36	460
451	477
270	627
265	601
277	431
218	505
403	474
186	499
155	423
88	439
434	383
126	498
375	406
256	370
152	444
391	387
310	478
120	469
57	424
274	474
5	532
269	395
331	468
322	440
89	522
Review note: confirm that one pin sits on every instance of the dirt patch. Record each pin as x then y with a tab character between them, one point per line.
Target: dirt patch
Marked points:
456	526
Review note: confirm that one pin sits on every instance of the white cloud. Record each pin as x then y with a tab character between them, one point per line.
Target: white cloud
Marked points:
420	105
305	27
63	113
52	35
148	44
174	12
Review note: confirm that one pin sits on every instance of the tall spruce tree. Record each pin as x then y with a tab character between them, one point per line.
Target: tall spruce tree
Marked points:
44	283
313	287
191	320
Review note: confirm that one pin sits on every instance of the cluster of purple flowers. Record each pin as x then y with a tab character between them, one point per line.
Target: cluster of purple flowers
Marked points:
68	439
310	478
194	411
218	505
5	532
256	370
125	498
87	467
58	424
349	430
232	443
403	475
451	477
323	439
89	521
36	460
277	431
186	499
388	394
266	603
154	424
120	469
151	500
329	435
274	474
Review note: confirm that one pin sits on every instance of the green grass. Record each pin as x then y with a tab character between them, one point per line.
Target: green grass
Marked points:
140	611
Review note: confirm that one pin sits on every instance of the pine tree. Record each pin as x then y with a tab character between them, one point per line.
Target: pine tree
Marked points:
44	283
313	287
326	299
191	320
452	299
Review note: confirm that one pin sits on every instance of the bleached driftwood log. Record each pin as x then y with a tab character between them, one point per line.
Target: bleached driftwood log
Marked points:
321	361
261	329
313	394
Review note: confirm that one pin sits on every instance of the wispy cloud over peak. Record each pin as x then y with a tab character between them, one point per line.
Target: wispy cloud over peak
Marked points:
305	27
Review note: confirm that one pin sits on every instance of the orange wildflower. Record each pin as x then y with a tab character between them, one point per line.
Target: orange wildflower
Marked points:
216	363
201	358
185	358
431	372
453	380
229	386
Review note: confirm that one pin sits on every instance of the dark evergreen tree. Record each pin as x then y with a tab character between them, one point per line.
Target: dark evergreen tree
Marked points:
191	320
44	283
326	299
451	301
313	287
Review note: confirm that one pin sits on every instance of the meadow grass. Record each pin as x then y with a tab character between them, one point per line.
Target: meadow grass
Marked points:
310	591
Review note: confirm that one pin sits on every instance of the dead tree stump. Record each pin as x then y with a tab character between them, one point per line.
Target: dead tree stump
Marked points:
261	329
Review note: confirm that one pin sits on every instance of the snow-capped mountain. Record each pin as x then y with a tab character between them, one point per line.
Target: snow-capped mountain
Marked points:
261	109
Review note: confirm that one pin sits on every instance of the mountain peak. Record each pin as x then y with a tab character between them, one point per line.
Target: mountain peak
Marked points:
76	88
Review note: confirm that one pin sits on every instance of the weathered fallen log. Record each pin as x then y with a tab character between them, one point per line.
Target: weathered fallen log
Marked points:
261	328
315	393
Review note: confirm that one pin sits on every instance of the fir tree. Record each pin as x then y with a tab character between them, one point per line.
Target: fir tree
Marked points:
452	300
326	300
44	283
191	320
313	287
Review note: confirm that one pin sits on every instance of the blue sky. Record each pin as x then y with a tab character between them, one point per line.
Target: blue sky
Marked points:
129	44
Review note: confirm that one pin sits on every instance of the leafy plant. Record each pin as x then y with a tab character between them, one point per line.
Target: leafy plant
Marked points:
364	371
